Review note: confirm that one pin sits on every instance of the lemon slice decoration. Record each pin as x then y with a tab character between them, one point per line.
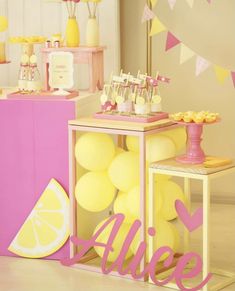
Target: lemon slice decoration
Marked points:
47	227
156	99
140	100
120	99
3	23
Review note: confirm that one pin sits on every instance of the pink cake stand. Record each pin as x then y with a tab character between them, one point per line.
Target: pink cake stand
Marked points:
194	153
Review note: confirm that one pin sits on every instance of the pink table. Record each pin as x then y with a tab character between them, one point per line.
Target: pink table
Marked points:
93	56
33	149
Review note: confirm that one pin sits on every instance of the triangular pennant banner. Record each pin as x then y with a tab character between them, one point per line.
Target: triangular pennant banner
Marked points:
209	1
221	73
172	3
185	54
157	27
233	78
153	2
171	41
201	65
147	14
190	2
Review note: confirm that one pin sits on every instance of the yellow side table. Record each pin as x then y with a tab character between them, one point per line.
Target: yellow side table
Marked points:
206	175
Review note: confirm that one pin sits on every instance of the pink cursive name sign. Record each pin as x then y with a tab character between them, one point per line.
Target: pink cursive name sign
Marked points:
178	273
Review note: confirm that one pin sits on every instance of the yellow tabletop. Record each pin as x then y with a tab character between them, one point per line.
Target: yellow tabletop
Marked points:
122	125
173	165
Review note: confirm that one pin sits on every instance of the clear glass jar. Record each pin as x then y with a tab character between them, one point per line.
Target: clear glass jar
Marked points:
124	104
142	96
34	79
23	74
156	100
142	104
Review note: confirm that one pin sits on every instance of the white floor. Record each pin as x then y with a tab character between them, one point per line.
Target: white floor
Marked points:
40	275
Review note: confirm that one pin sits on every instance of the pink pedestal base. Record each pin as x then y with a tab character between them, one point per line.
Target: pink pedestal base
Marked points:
194	154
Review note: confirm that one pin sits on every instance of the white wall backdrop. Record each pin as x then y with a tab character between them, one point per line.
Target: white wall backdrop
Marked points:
40	17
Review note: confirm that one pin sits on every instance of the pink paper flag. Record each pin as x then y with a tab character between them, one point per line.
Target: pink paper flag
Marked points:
171	41
172	3
201	65
209	1
147	14
233	77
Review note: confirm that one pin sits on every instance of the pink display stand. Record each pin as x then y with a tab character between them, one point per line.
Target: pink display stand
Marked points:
132	117
33	149
93	56
194	154
45	95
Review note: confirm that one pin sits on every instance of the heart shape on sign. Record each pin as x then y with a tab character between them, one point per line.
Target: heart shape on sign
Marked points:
192	222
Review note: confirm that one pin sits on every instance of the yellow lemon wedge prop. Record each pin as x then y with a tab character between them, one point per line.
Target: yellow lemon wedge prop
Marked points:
47	227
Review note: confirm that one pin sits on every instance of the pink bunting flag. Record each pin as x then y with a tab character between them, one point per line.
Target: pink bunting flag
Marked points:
201	65
209	1
147	14
233	78
171	41
172	3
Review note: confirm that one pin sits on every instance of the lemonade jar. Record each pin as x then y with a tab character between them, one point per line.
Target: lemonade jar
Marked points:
156	100
107	101
124	104
142	105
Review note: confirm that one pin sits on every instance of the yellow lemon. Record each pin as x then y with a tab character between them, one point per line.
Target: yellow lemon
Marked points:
47	227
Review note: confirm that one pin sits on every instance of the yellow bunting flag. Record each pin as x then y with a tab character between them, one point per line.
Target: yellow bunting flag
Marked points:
157	27
185	54
221	73
190	2
153	2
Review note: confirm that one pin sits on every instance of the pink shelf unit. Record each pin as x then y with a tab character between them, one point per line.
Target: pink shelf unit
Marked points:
93	56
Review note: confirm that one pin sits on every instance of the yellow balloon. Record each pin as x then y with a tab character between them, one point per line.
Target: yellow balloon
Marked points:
165	236
3	23
117	243
132	143
170	193
94	191
179	137
159	147
133	201
124	171
95	151
120	206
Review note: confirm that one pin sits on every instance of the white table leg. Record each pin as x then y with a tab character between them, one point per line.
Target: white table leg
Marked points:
151	210
206	228
187	192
